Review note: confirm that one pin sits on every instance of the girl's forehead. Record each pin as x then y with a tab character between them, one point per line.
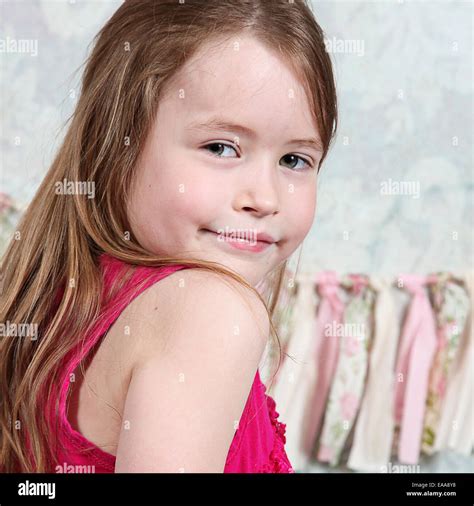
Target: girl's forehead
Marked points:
247	82
243	67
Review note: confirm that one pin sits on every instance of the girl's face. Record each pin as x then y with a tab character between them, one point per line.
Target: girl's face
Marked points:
224	159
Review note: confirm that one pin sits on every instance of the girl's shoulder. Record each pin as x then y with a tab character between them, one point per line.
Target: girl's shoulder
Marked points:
191	300
163	304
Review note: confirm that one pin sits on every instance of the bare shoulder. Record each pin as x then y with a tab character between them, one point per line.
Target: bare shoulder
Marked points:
189	385
192	299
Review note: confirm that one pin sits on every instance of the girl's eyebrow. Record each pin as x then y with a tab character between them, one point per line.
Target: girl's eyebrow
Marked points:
223	124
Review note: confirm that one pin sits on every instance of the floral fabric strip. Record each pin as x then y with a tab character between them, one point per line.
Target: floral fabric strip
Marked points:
451	306
348	383
456	426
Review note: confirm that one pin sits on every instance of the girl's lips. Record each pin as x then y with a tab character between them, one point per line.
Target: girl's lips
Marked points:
242	244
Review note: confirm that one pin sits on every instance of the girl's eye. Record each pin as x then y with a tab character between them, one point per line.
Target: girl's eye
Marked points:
216	150
290	158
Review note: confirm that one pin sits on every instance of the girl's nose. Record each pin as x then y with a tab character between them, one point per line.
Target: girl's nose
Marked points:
259	192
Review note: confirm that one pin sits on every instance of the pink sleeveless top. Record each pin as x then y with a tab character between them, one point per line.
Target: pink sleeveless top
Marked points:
258	443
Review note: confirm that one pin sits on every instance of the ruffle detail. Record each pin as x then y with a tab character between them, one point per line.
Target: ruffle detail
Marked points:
278	460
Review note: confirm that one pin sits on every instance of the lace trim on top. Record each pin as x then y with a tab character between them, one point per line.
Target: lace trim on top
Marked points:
278	460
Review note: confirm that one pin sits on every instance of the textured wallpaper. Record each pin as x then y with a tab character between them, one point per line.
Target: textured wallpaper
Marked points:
396	193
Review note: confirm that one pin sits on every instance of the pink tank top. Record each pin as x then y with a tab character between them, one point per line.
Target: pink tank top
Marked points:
258	443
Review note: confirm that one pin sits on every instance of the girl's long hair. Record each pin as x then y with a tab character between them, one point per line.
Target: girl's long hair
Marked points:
60	238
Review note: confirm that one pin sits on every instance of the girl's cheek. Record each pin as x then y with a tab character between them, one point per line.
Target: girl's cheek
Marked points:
200	186
195	198
301	204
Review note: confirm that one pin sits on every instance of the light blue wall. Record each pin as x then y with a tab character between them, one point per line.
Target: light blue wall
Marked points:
405	99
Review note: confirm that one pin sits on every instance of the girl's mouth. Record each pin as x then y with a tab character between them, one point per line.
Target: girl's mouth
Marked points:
241	243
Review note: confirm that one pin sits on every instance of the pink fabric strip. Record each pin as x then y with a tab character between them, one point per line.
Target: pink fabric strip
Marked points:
330	313
358	281
417	347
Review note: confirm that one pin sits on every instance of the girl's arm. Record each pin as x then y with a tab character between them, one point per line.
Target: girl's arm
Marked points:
190	383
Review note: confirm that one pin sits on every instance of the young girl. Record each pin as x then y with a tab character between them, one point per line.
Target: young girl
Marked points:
186	179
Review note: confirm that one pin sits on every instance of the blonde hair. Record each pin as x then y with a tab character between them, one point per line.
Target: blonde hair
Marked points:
135	54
